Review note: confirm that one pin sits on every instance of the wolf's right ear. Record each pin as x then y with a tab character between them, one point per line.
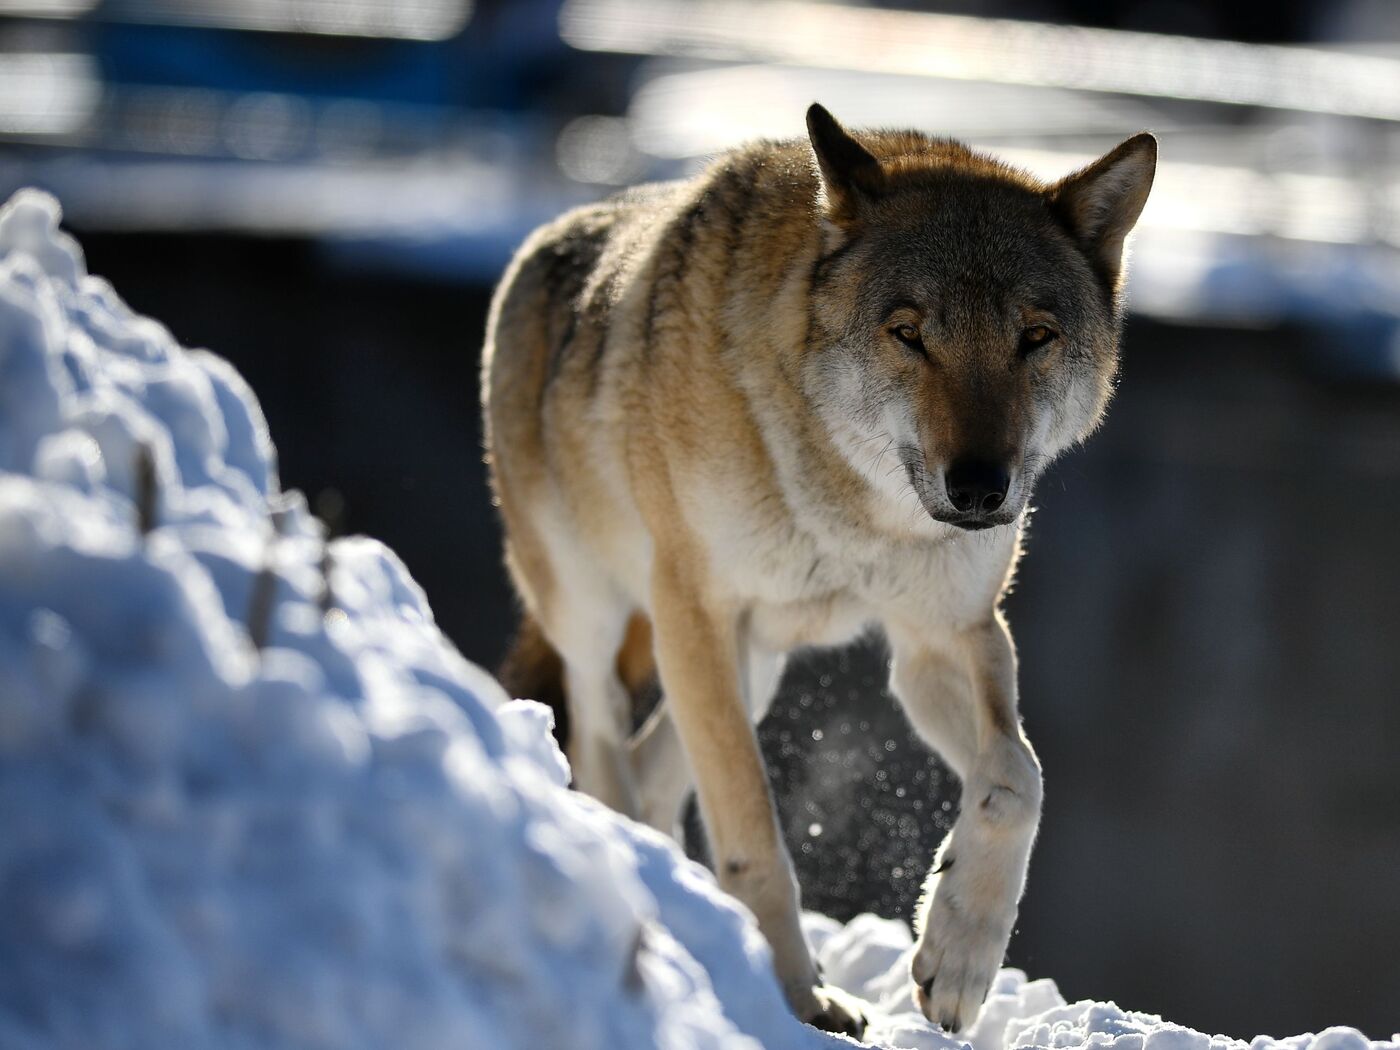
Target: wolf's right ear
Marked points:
848	169
1101	203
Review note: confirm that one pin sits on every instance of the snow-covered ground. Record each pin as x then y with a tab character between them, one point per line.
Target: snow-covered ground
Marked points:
251	798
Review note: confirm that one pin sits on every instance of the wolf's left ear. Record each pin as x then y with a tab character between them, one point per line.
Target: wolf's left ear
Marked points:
849	170
1101	203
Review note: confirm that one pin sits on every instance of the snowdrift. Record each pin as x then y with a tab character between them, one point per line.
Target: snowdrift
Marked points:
252	798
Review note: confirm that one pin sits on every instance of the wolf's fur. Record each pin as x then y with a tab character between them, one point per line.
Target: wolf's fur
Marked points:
707	406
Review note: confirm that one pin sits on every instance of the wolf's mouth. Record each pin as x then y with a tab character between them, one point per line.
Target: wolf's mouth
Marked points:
972	523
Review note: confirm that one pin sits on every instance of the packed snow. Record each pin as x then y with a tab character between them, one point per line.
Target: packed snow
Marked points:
252	798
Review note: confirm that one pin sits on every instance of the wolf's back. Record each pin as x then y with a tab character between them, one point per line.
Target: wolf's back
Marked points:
546	306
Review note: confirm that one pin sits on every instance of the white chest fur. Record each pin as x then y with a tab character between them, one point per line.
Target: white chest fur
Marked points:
805	583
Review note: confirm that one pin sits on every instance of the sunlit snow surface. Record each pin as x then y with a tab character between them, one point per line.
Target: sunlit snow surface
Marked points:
250	797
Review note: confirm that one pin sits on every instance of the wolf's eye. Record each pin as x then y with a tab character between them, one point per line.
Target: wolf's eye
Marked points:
1036	336
908	334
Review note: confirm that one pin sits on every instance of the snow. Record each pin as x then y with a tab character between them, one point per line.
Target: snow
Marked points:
252	798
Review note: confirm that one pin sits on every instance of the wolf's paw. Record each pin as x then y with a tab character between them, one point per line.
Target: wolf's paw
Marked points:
960	950
837	1011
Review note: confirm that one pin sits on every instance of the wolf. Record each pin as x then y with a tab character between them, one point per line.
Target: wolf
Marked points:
804	395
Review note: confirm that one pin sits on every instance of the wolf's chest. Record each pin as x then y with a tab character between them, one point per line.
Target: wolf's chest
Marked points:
813	574
799	594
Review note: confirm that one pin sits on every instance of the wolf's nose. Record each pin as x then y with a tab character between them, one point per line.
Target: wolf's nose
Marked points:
976	487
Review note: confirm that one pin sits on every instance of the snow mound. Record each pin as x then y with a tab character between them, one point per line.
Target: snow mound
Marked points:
1104	1025
870	957
251	798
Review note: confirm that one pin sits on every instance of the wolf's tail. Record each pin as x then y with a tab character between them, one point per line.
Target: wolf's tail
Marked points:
534	670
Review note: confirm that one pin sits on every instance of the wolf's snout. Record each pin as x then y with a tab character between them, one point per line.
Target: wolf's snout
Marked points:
976	486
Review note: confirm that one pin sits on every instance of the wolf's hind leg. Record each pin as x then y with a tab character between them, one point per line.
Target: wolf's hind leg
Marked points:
961	696
586	626
661	769
597	747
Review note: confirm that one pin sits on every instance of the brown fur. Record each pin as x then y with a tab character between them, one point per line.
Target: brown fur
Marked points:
532	668
734	408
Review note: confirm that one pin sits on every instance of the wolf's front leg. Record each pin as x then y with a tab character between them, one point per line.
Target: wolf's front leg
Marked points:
698	656
962	699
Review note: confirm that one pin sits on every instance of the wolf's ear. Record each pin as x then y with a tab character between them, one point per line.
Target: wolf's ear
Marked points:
848	169
1101	203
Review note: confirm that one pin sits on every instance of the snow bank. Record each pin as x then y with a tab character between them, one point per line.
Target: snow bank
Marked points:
251	798
870	957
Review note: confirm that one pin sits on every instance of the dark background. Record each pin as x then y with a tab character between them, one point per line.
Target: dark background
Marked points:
1208	617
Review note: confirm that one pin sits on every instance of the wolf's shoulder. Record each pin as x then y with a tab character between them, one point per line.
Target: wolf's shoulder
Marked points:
587	254
774	174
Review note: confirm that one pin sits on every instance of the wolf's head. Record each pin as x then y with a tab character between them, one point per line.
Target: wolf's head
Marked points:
965	316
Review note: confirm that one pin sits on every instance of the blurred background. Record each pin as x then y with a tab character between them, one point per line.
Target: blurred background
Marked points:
324	191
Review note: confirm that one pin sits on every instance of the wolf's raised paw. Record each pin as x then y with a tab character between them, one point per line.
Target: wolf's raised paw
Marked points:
959	953
838	1011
